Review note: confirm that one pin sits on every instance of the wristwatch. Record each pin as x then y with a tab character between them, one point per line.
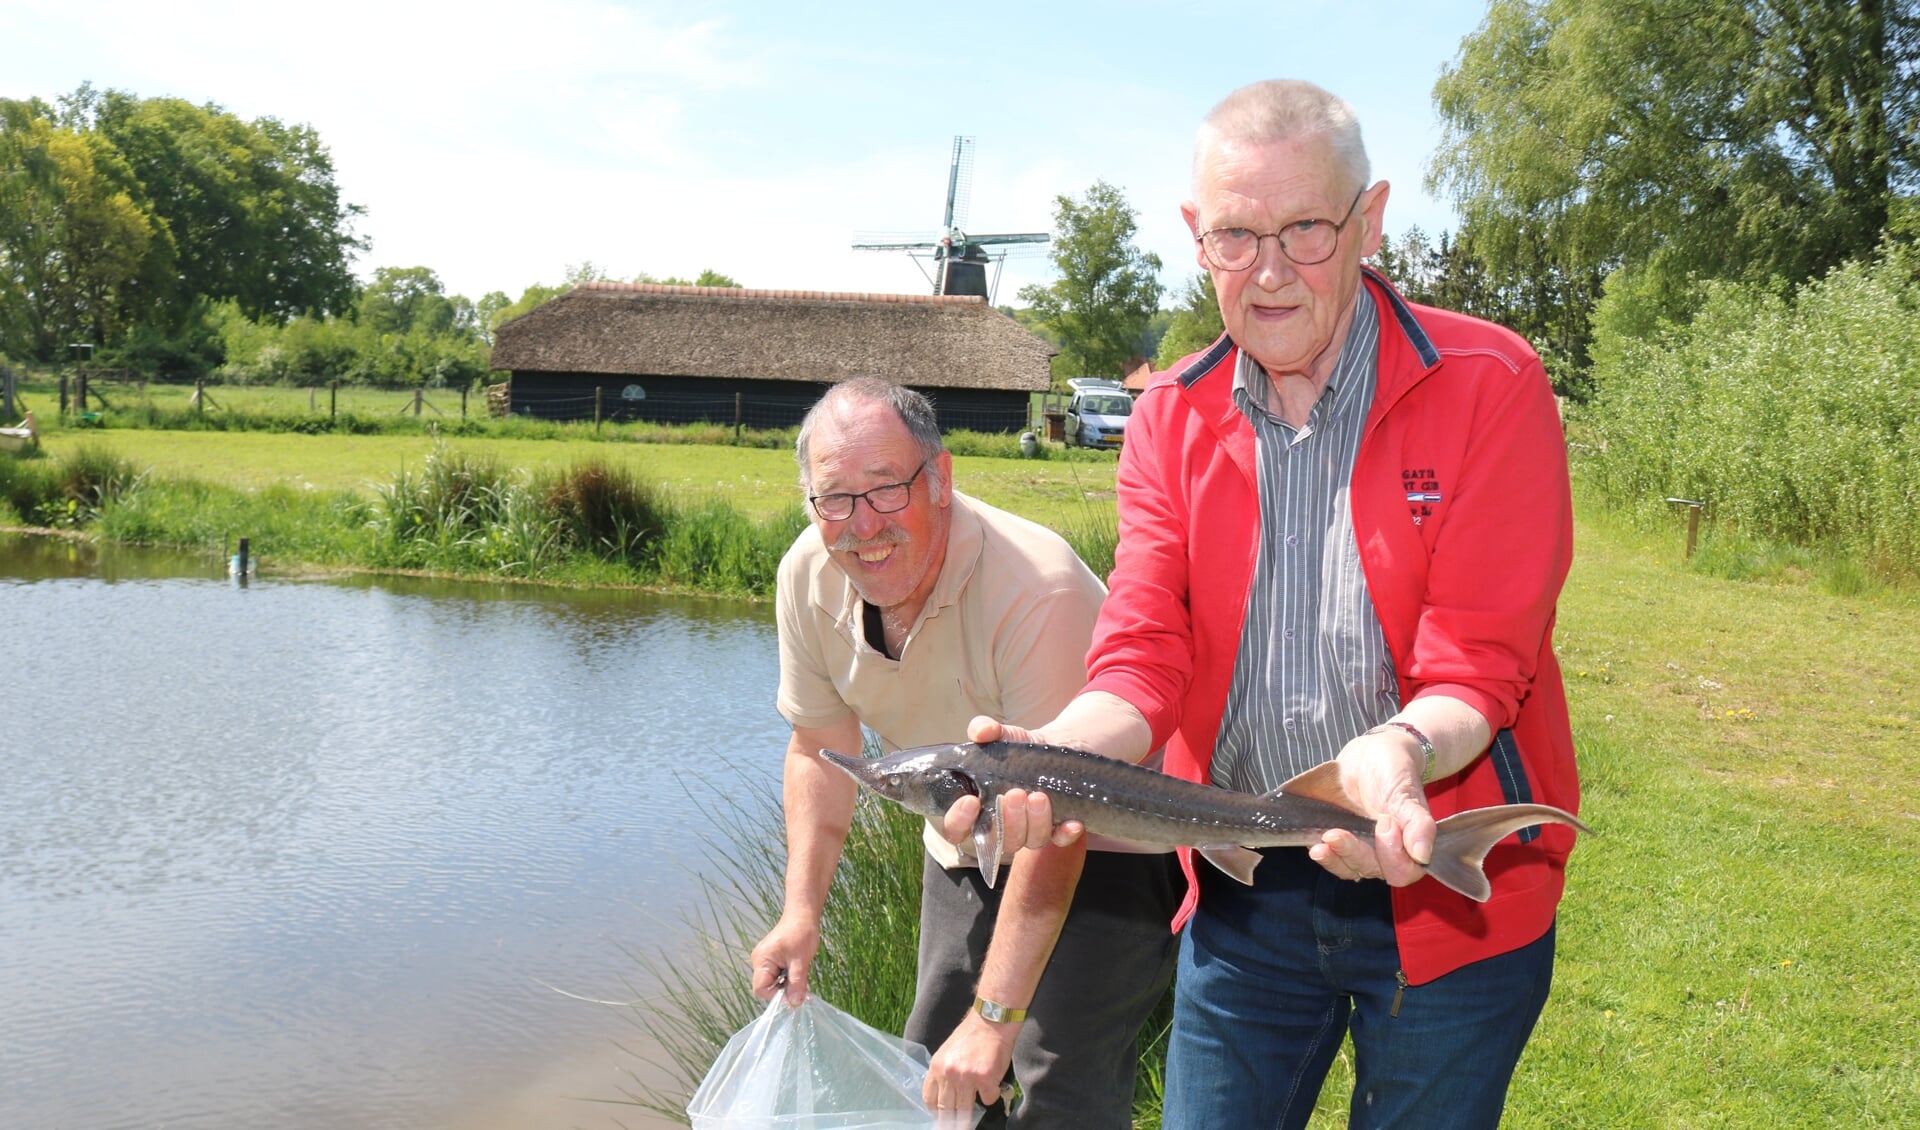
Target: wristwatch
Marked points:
997	1012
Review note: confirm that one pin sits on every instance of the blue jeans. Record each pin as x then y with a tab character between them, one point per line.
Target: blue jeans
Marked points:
1273	975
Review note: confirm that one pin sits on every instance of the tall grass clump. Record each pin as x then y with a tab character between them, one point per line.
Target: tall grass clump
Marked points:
71	490
1794	419
713	547
464	513
1094	533
605	509
870	937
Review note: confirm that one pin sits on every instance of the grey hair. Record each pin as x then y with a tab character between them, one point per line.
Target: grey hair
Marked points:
1283	109
913	408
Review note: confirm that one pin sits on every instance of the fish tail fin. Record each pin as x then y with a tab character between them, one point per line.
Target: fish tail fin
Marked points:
1465	838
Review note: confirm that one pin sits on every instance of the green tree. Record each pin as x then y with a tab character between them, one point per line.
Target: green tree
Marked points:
400	299
1196	322
1741	139
1108	290
252	209
74	244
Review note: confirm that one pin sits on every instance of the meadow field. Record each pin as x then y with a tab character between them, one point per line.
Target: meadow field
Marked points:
1739	945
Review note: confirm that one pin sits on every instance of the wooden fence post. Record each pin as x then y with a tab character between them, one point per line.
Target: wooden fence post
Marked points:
199	397
6	393
417	395
63	395
463	402
598	393
333	400
80	392
736	418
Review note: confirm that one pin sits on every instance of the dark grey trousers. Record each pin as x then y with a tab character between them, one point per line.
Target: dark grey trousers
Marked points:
1076	1055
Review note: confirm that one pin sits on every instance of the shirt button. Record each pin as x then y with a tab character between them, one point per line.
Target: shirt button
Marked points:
1288	723
1293	539
1288	633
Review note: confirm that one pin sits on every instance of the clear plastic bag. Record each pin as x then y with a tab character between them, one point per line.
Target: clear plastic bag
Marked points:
813	1067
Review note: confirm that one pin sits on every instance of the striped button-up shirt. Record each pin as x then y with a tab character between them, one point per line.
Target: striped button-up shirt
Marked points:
1313	668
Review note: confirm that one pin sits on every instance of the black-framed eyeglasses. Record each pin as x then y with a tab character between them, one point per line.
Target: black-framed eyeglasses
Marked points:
883	499
1306	242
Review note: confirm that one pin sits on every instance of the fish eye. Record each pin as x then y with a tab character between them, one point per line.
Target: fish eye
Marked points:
893	780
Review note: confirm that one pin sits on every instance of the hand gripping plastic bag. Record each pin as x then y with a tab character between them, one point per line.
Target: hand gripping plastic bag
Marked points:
813	1067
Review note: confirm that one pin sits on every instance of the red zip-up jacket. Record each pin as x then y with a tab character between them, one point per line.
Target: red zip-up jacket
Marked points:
1464	519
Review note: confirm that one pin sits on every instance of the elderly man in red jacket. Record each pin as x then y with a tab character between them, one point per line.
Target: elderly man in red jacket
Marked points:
1343	530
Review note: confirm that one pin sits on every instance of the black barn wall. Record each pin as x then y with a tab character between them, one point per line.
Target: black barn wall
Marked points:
722	400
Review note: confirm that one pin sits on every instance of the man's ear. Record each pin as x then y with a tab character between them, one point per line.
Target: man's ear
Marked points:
1190	212
1375	211
945	462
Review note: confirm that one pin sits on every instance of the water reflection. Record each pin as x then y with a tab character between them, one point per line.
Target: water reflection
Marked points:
303	854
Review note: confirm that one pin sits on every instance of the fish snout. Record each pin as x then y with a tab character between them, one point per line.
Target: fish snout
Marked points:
860	769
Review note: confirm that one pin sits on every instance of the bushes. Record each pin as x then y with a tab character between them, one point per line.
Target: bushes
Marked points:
1792	419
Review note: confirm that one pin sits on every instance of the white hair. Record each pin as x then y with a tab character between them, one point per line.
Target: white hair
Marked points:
1283	109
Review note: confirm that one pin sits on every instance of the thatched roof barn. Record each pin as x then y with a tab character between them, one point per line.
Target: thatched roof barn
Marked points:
762	357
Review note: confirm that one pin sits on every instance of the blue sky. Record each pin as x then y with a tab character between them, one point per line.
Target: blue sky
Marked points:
498	143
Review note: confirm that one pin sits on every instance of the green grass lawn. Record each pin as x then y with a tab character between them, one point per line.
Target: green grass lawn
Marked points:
758	481
1738	946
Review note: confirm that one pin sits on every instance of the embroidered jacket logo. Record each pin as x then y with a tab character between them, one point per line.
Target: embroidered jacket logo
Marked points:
1423	490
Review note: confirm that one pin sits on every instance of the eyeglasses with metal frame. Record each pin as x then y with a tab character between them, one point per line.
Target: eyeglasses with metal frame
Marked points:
887	498
1305	242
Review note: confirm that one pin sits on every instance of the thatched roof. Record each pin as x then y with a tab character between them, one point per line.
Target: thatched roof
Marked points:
795	335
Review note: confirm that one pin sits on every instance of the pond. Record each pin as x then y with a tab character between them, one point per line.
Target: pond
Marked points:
323	853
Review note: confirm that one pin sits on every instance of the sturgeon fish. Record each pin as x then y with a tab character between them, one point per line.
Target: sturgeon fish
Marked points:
1127	807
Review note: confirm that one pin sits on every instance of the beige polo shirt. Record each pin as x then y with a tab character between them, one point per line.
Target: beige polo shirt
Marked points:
1004	633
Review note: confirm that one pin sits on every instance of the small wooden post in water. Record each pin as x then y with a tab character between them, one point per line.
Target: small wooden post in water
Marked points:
241	563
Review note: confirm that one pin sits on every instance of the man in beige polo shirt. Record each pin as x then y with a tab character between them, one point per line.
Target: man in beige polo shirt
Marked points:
910	608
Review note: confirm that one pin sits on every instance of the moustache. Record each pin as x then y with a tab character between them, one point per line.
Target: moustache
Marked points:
850	543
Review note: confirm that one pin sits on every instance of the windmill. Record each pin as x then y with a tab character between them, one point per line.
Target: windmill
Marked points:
959	259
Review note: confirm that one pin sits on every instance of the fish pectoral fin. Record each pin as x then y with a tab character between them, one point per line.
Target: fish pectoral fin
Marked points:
1321	783
1233	859
986	840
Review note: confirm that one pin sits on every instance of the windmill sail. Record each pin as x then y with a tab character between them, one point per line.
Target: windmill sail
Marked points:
960	260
